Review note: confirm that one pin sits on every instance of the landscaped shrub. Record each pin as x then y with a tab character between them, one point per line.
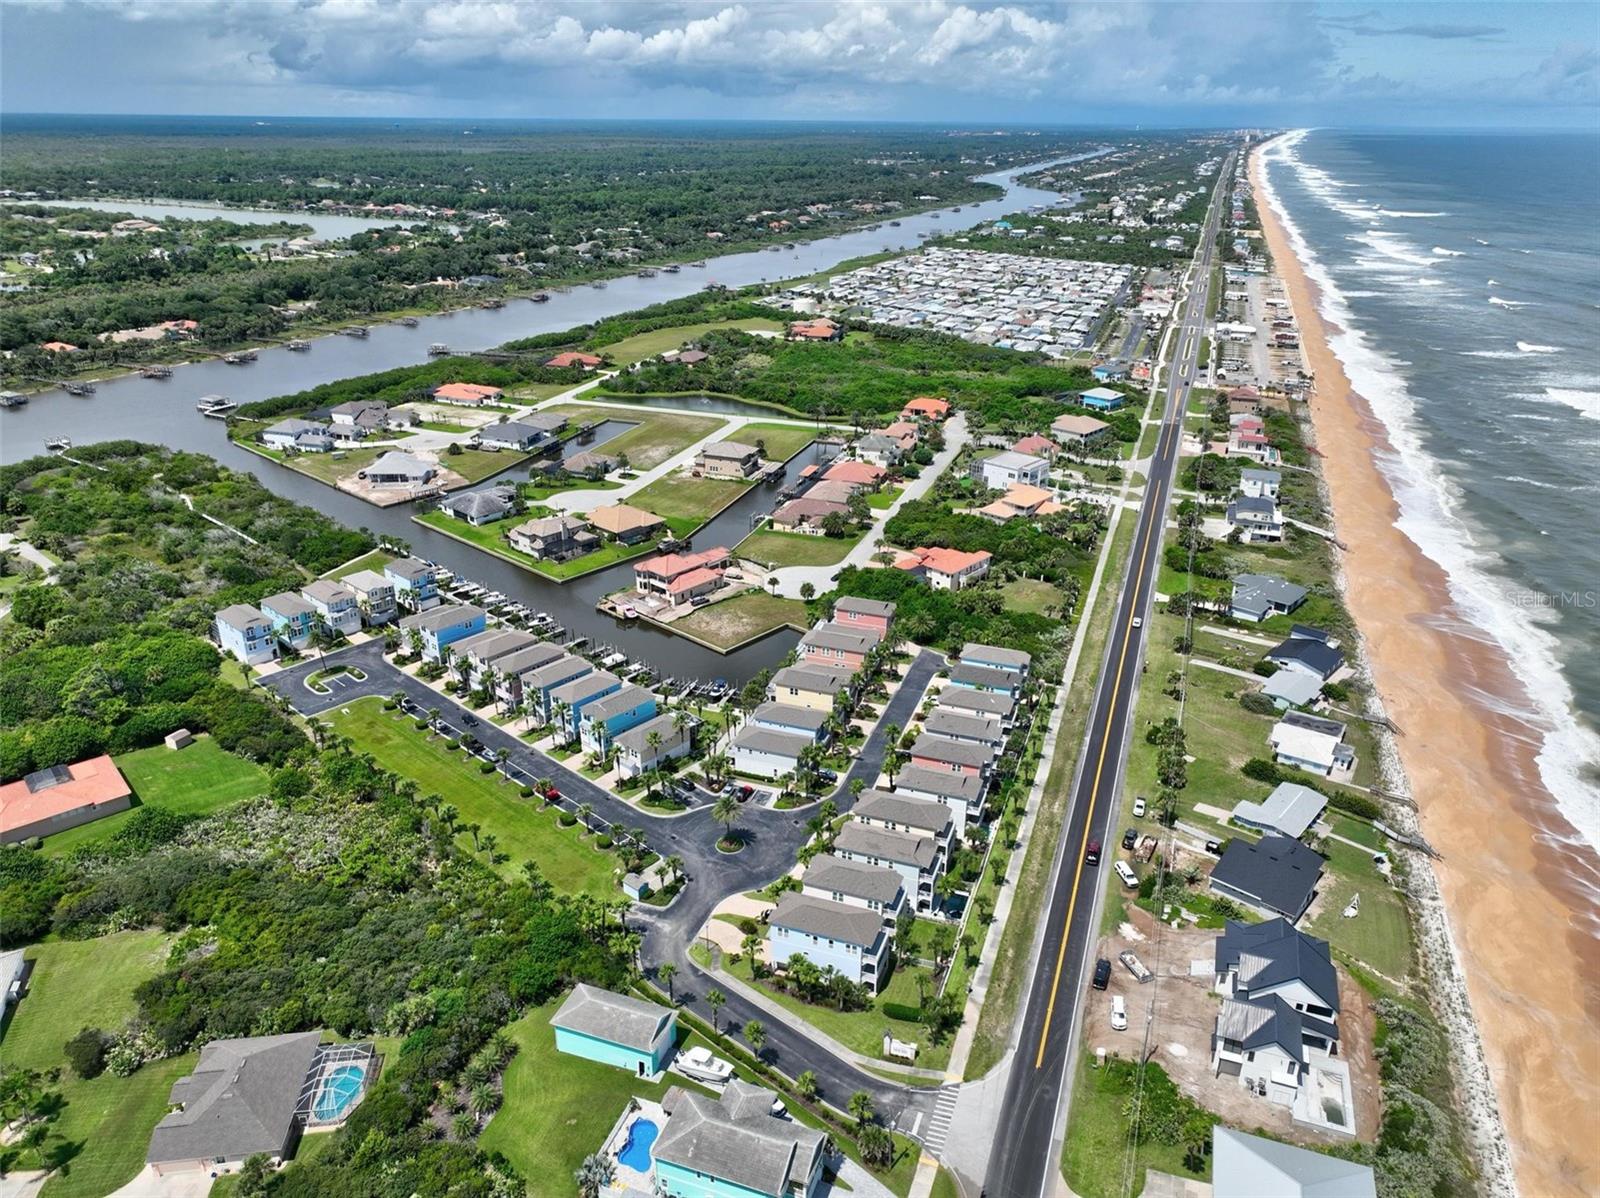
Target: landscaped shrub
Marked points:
486	767
603	843
525	791
86	1052
902	1012
1256	702
568	819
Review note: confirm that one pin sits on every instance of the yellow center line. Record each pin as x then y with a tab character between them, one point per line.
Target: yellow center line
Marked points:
1151	534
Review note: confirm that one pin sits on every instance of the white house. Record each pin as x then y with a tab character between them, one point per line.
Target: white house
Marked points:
874	887
1256	519
1260	484
1312	743
766	753
1008	467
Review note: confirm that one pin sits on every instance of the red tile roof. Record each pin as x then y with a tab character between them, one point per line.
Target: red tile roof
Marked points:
854	472
91	782
950	561
571	358
466	392
927	405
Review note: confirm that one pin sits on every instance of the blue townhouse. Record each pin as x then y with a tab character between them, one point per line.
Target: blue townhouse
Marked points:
293	619
1102	399
540	685
245	633
605	719
443	627
338	611
416	584
852	939
994	657
573	697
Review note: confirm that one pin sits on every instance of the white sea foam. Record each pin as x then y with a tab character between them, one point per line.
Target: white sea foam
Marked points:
1394	212
1490	353
1480	241
1585	403
1444	253
1505	303
1430	517
1430	282
1532	347
1392	245
1491	282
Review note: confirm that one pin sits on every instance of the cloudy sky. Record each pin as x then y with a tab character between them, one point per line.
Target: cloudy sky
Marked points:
1459	64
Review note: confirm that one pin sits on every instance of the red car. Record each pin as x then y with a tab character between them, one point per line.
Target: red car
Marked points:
552	794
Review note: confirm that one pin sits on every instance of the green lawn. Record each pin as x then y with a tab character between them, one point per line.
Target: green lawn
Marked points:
105	1123
376	560
782	441
687	503
884	499
475	465
538	392
525	829
648	345
194	781
795	548
863	1030
1030	595
740	619
658	434
491	539
1380	934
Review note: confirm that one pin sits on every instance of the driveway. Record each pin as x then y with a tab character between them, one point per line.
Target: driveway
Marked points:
772	840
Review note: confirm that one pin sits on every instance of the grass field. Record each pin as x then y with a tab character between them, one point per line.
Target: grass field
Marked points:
648	345
740	619
491	539
105	1123
525	829
193	781
1097	1138
376	560
657	435
686	503
795	548
538	392
782	441
1030	595
883	500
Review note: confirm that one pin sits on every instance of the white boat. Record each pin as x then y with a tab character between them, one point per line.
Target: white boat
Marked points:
701	1064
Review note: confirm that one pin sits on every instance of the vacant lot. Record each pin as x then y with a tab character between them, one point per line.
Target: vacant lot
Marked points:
740	619
1030	595
193	781
648	345
686	503
105	1124
794	548
524	828
781	441
658	435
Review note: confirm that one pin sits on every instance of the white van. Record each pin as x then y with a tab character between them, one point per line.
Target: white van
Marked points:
1125	872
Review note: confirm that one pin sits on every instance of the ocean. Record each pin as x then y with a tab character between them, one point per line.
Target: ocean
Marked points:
1464	270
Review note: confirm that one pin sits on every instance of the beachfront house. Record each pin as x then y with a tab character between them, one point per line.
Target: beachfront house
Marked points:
616	1029
651	744
1275	874
1258	597
374	596
1246	1166
851	939
440	627
875	887
1260	484
607	718
1307	654
416	583
337	610
1289	810
1314	744
246	633
293	619
1255	520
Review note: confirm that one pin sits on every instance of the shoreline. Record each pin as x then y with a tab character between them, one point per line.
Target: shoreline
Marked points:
1510	877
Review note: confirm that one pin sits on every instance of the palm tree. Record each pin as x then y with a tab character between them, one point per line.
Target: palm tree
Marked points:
398	698
472	831
674	866
751	945
585	810
501	755
558	713
246	671
488	844
726	812
594	1175
666	971
464	1126
485	1100
861	1108
756	1034
433	718
806	1085
448	814
715	1000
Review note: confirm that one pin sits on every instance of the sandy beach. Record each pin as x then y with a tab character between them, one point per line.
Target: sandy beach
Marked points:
1513	873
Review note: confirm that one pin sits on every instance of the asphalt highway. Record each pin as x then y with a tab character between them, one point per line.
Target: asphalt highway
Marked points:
1023	1162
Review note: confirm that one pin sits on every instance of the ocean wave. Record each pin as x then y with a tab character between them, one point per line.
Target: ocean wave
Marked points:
1480	241
1585	403
1429	504
1444	253
1531	347
1491	282
1490	353
1505	303
1392	245
1409	215
1429	282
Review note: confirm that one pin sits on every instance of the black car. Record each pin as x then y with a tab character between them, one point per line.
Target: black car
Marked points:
1130	838
469	719
1102	974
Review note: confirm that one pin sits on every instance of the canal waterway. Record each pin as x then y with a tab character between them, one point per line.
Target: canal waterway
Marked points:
163	411
326	225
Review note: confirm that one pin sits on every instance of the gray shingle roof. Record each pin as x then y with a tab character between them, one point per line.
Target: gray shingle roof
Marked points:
447	616
964	698
828	919
618	1018
531	657
636	739
241	616
926	814
240	1099
791	716
814	678
984	678
771	741
1278	873
886	844
831	636
287	603
995	655
410	568
736	1139
937	748
966	787
562	668
865	607
875	883
492	643
625	699
586	687
1262	1023
326	590
942	721
477	505
1257	592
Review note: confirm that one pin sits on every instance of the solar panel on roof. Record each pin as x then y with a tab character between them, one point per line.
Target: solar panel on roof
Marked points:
44	779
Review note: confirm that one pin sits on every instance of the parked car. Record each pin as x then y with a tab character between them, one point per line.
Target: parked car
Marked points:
827	775
1139	807
1102	974
701	1064
469	719
1091	854
551	793
1119	1009
1125	872
1214	847
1130	838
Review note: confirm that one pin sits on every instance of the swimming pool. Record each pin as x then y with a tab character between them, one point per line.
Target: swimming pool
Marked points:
339	1091
636	1152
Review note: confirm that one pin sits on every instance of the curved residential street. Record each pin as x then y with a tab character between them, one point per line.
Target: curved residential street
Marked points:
772	839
